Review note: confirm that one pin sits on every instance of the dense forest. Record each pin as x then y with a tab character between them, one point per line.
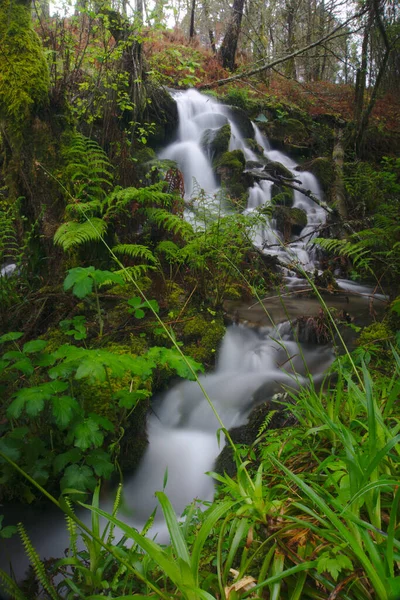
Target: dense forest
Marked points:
120	274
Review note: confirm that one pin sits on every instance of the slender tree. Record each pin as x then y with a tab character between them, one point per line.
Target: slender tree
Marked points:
231	38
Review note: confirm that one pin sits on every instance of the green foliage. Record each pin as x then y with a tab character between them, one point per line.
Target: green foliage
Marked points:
72	234
88	171
355	251
24	75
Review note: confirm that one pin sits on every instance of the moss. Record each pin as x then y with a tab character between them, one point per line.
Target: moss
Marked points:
255	147
22	54
202	338
217	143
324	170
289	221
235	161
375	333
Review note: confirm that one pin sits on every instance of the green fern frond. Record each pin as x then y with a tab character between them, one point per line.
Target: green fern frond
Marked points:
136	251
76	210
356	252
266	423
117	504
171	251
72	531
88	168
36	563
170	222
73	234
10	587
136	272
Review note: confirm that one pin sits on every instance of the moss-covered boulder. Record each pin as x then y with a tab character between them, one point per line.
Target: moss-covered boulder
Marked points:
255	147
289	221
229	169
324	170
163	111
202	338
216	142
242	122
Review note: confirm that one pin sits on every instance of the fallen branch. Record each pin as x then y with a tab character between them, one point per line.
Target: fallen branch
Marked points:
278	61
283	181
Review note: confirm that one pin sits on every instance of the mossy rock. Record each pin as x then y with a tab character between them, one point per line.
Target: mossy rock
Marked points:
255	147
289	221
235	161
202	338
216	142
242	122
163	111
326	280
324	170
248	433
277	169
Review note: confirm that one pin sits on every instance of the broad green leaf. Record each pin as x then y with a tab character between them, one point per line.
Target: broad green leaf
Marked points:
40	471
77	477
10	447
63	409
34	346
13	355
101	463
10	337
34	397
173	358
139	313
87	434
135	302
102	421
62	460
80	280
107	276
25	366
128	399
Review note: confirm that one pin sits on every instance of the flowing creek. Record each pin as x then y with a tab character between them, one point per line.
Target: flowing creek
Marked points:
252	362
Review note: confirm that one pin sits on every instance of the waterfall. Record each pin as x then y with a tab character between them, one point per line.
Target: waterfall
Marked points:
200	115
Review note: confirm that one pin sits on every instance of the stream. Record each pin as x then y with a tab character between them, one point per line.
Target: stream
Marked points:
253	362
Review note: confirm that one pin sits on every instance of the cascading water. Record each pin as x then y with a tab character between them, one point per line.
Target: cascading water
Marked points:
252	365
200	117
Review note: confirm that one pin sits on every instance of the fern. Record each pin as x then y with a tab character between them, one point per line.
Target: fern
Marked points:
72	234
171	251
136	251
266	423
170	222
88	169
117	504
10	587
355	251
36	563
136	272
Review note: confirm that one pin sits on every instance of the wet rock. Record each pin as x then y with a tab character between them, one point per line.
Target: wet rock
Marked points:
289	221
242	122
324	170
247	434
216	142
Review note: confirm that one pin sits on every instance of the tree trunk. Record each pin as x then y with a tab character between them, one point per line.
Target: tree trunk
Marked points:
192	32
338	194
230	41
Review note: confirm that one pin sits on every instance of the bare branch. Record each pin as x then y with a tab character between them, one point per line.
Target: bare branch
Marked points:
278	61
